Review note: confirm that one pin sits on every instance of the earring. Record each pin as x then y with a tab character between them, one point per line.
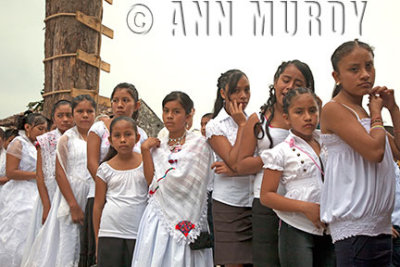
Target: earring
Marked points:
338	83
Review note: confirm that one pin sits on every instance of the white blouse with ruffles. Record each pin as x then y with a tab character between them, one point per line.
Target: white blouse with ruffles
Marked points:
236	191
301	177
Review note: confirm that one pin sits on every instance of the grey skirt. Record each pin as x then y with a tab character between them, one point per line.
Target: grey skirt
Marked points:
232	234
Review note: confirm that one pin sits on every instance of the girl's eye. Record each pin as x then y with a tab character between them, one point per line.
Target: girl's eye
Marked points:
125	100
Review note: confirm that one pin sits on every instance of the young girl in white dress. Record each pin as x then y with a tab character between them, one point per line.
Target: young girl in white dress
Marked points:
177	167
295	165
57	243
19	194
61	115
121	196
358	194
124	102
263	131
232	196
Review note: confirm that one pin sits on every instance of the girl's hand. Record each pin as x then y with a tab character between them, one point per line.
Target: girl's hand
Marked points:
311	210
150	143
77	214
236	112
395	234
46	210
221	168
375	102
387	96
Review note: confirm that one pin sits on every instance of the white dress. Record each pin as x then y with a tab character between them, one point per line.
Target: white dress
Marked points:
48	145
177	209
16	203
57	243
358	195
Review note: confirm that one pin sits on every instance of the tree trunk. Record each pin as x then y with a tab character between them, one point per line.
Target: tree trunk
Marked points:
65	35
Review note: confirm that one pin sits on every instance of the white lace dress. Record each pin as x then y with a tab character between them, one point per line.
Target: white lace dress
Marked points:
177	209
57	243
16	203
48	145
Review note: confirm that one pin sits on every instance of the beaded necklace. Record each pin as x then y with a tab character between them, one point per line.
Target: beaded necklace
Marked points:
176	146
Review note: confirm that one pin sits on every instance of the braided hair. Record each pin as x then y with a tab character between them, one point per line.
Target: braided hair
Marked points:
269	106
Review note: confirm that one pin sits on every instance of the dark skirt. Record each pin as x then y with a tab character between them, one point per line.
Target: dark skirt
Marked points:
87	255
114	251
232	234
265	235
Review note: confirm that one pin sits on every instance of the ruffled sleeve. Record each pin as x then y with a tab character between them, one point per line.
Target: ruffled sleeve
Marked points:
213	128
274	158
104	172
15	148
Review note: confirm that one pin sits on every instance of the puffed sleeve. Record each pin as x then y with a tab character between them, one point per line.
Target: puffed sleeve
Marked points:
213	128
274	158
103	172
98	128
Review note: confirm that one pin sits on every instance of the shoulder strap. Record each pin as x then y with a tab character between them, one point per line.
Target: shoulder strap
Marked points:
349	108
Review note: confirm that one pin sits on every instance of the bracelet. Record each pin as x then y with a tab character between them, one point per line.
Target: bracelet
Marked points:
376	121
378	127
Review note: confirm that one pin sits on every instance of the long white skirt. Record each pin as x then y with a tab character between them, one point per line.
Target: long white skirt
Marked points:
156	247
17	200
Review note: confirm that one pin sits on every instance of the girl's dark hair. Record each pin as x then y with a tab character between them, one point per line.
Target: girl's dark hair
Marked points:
111	151
57	104
2	134
78	99
33	119
132	91
207	115
287	100
270	105
10	132
229	78
342	51
182	98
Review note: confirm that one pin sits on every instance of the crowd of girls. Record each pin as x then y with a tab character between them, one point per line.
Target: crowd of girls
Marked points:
297	184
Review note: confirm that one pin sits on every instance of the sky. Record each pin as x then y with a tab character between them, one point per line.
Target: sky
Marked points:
157	48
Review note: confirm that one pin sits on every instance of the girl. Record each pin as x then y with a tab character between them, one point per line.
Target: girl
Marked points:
295	164
262	132
19	194
232	196
121	192
177	210
57	243
3	177
124	102
358	197
61	115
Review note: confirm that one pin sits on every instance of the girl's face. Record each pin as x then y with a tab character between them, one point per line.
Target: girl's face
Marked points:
123	137
241	93
35	131
303	115
84	115
289	79
356	72
123	104
63	118
175	117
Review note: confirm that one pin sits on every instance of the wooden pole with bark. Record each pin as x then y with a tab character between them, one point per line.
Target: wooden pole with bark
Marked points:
72	50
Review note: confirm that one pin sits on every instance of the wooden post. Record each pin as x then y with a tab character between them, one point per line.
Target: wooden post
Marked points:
65	35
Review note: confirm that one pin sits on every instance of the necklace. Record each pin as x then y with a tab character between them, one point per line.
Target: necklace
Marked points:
176	146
